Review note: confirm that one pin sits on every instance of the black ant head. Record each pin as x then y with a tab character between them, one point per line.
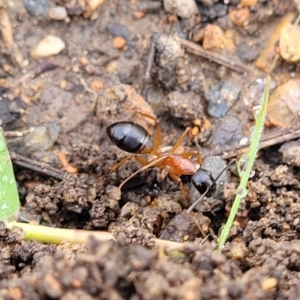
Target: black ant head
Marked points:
204	182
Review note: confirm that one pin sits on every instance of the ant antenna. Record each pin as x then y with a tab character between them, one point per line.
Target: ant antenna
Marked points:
196	202
226	168
208	188
204	240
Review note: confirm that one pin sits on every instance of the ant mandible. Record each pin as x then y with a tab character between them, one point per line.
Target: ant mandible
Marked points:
133	138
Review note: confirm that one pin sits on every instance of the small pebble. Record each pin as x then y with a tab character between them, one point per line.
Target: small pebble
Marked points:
184	107
213	12
229	44
291	153
247	53
118	30
240	17
119	42
84	61
221	97
224	23
238	250
129	74
58	13
149	6
168	50
89	68
284	104
97	85
229	132
248	2
38	9
63	84
49	45
53	288
289	43
213	37
296	222
91	6
6	68
139	14
182	8
244	141
269	284
10	110
42	138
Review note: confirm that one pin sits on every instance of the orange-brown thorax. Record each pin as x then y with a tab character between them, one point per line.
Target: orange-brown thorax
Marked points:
178	164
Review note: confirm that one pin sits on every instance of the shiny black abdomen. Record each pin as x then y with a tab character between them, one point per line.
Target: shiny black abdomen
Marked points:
129	136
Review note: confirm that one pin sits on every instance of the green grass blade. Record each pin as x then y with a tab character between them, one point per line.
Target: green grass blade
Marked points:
9	197
246	164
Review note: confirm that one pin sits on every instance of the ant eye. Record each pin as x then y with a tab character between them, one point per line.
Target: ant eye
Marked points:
203	181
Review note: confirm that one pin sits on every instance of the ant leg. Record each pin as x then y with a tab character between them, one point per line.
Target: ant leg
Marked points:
199	158
119	164
149	165
140	159
176	178
158	129
191	153
180	140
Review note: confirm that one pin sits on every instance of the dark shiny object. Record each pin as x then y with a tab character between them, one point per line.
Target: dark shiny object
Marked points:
130	137
203	181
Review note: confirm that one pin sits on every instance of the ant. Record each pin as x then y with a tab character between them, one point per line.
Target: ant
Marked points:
135	139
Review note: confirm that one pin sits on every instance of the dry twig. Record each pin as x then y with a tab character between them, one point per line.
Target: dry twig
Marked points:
37	166
40	68
7	36
229	62
268	140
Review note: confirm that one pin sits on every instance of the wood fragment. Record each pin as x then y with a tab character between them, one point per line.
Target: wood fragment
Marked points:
147	76
10	134
230	62
270	139
37	166
40	68
7	36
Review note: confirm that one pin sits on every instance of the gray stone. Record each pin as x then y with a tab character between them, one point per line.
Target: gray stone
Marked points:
41	138
221	97
228	132
38	9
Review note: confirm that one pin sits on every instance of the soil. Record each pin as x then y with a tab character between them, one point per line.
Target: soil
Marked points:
101	77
